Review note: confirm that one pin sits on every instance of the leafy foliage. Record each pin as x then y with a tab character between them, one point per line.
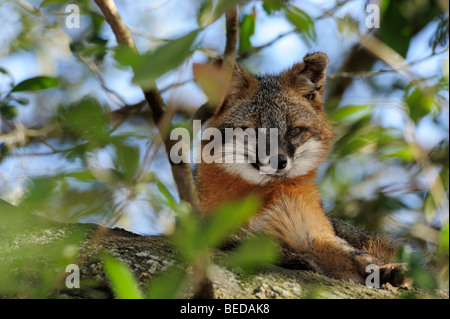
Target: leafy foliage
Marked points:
123	281
149	67
384	173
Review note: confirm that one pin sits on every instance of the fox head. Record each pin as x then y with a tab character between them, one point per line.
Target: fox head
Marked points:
290	103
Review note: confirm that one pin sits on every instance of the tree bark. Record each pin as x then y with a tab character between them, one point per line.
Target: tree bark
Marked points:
150	256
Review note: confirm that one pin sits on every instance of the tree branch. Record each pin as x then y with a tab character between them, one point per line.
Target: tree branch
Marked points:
181	172
253	50
232	25
202	283
205	111
123	35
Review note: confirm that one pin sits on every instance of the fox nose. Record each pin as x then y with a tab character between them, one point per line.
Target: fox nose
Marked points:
282	161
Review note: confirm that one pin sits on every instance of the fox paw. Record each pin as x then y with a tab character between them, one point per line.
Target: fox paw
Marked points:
395	274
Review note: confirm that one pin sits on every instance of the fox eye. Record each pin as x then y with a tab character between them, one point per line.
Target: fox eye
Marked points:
310	96
296	131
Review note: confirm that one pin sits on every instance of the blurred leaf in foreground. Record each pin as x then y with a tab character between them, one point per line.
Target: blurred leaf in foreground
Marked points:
417	270
228	219
302	21
124	283
254	253
351	113
9	112
150	66
247	29
86	119
167	285
34	254
213	80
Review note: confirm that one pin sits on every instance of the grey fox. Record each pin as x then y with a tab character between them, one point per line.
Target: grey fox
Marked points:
292	211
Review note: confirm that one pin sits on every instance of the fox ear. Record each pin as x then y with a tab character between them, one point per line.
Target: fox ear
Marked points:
313	69
307	79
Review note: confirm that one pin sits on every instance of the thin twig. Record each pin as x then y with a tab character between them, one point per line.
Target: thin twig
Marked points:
36	154
94	69
430	172
159	5
175	85
21	134
91	66
253	50
35	11
138	32
363	74
43	141
383	71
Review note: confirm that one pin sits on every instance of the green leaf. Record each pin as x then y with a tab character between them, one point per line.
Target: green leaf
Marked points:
40	191
303	23
84	176
351	113
417	271
9	112
228	218
46	3
127	160
97	51
187	236
76	151
443	84
401	20
271	6
254	253
4	71
17	220
72	204
97	21
165	192
127	56
21	100
402	152
122	279
36	84
247	29
164	59
347	25
420	102
86	119
167	285
396	30
444	238
152	65
354	142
